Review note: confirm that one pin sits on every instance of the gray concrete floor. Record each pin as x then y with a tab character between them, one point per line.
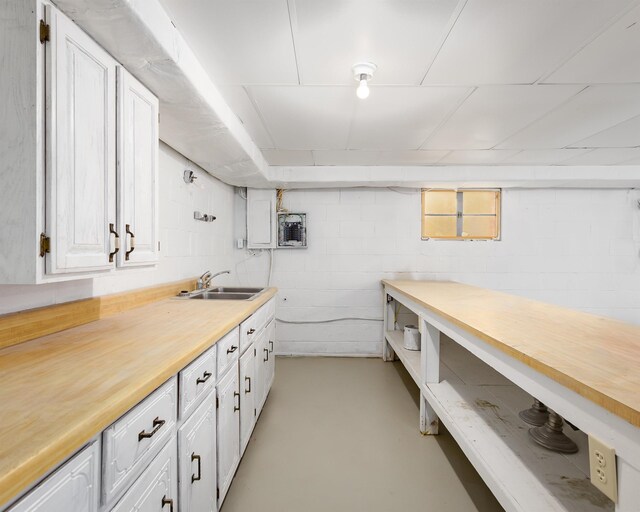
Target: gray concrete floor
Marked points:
341	435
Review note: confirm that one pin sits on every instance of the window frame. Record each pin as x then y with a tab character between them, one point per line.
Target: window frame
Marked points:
459	213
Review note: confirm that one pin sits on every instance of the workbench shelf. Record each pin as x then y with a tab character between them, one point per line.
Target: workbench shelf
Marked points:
479	407
410	358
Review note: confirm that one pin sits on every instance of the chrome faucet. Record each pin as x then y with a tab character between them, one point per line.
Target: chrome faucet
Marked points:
205	279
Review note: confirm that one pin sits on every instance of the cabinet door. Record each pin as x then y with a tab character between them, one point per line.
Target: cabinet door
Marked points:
247	393
81	163
137	171
74	487
197	459
157	488
261	218
271	363
261	360
228	430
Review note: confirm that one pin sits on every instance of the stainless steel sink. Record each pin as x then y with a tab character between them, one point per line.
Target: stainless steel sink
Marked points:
209	295
234	289
223	293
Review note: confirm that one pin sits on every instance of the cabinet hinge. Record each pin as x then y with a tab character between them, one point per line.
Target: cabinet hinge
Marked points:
217	493
44	32
45	244
217	403
255	412
255	352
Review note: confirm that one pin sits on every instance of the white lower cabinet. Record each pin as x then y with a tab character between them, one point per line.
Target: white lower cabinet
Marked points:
228	439
157	488
261	359
197	459
133	440
141	463
271	361
265	365
74	487
247	393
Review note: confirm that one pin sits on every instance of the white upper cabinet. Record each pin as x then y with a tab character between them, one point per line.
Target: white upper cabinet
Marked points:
261	218
137	172
81	158
79	187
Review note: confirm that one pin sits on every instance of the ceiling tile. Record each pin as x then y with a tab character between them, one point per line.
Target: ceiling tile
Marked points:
543	156
237	98
288	157
612	57
368	157
517	42
595	109
239	42
401	117
400	36
605	156
623	135
301	117
492	113
478	157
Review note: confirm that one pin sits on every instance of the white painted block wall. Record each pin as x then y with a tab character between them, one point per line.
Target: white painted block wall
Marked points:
576	248
188	247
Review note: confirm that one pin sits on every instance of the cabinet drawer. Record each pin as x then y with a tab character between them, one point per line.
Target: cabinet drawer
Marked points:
228	350
74	487
157	487
196	381
132	441
250	328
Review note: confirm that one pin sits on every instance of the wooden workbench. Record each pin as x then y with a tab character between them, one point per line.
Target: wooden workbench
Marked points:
504	350
59	391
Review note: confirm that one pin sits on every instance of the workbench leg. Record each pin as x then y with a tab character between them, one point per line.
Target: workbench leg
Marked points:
430	355
430	371
387	352
428	418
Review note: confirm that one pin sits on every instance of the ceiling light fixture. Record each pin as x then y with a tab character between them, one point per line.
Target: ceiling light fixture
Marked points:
362	73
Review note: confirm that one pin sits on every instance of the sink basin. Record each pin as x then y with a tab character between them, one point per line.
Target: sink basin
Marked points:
234	289
213	295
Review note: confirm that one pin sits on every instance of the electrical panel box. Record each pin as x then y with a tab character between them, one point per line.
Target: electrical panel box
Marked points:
261	218
292	230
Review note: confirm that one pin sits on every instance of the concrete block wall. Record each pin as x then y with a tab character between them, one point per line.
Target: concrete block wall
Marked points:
575	248
188	247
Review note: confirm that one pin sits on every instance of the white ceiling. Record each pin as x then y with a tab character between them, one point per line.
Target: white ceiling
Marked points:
459	82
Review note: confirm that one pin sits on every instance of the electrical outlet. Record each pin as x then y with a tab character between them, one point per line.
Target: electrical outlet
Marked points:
602	467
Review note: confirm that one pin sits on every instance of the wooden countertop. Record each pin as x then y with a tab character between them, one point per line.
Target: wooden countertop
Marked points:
597	357
59	391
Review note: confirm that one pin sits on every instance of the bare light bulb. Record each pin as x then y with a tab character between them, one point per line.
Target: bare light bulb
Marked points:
363	89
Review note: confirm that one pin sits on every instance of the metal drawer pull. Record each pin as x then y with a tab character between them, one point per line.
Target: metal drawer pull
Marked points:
271	343
266	351
205	377
132	242
232	349
195	478
235	394
251	331
248	379
116	248
167	501
157	424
